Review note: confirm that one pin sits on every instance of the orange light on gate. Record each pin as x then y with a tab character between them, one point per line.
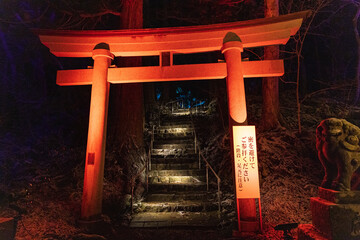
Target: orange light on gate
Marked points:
232	49
164	42
95	152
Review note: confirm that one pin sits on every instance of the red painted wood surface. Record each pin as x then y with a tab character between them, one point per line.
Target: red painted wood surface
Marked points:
251	69
147	42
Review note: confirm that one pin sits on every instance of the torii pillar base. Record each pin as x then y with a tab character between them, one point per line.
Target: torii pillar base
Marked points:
101	225
244	235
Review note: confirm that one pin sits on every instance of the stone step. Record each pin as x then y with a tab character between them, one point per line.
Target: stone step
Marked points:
170	136
174	166
184	172
176	179
186	206
181	196
183	128
185	140
170	146
181	112
173	134
175	118
168	159
176	124
175	219
178	187
175	152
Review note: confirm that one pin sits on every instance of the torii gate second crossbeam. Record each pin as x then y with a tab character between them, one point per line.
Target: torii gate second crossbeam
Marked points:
164	43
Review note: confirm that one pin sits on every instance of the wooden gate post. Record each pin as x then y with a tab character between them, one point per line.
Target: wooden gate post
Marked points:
95	153
232	49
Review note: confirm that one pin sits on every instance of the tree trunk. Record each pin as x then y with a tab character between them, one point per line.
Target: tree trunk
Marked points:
167	86
132	14
270	86
166	92
149	93
127	99
128	114
218	92
357	37
149	100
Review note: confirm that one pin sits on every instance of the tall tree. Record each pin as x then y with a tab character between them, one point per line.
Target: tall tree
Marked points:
270	86
127	99
356	18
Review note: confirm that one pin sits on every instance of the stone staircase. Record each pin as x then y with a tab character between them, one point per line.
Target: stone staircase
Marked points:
177	193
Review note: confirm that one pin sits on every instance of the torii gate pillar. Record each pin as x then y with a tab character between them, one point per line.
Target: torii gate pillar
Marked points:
232	49
95	152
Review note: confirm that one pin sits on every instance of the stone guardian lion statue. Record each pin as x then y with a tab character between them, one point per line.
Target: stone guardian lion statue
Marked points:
337	143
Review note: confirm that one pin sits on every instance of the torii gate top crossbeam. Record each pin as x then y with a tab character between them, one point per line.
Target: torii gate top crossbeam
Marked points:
147	42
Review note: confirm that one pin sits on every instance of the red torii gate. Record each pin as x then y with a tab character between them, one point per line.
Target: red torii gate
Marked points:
164	43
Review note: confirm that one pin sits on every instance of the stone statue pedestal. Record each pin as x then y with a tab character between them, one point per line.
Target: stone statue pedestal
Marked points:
335	216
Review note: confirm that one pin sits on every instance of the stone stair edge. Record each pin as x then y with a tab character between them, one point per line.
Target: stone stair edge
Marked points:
177	172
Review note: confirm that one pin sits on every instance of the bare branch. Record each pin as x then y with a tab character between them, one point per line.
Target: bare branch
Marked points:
22	21
254	53
99	14
325	90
